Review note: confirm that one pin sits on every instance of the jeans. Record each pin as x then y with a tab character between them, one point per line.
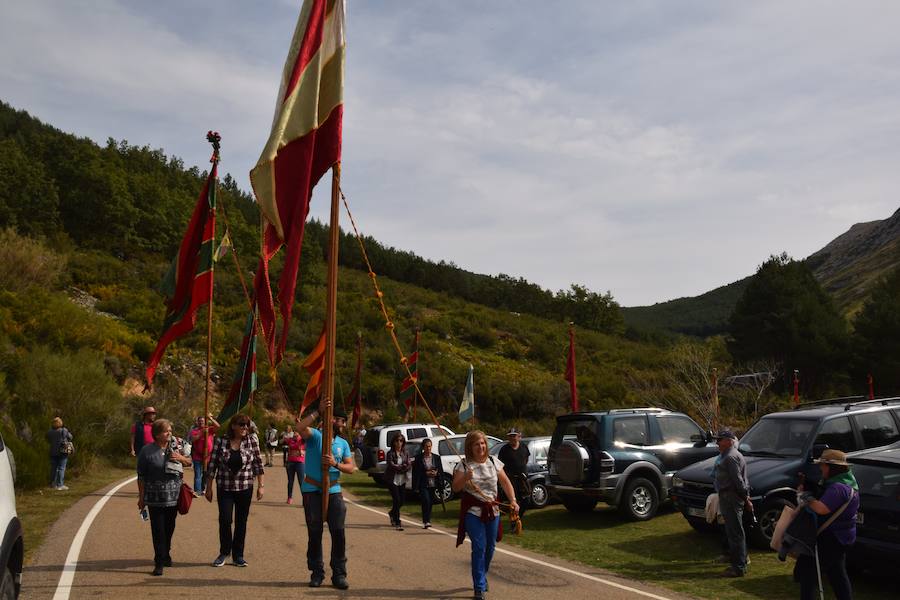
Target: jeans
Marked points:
198	476
162	526
483	537
397	502
832	561
427	496
294	468
58	470
732	509
337	513
239	504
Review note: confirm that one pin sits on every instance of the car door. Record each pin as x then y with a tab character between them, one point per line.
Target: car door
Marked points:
675	449
877	429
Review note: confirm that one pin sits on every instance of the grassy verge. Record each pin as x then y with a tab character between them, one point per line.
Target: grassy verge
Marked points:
664	551
39	509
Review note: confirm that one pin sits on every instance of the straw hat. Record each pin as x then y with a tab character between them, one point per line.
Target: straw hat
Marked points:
833	457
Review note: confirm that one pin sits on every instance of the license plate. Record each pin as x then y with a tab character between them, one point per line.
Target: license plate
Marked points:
696	512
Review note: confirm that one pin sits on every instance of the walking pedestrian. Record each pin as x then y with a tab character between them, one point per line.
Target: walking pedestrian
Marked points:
159	482
288	434
514	456
730	479
235	462
477	477
395	474
339	460
60	440
271	444
295	465
202	437
427	474
142	431
837	506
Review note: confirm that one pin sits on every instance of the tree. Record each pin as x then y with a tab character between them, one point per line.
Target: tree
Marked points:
877	335
784	315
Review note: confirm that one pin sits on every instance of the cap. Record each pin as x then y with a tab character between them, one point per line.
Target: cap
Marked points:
513	431
148	410
339	413
726	434
833	457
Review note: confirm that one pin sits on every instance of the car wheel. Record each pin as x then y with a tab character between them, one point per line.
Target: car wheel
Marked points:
640	500
7	585
579	504
444	490
540	497
768	516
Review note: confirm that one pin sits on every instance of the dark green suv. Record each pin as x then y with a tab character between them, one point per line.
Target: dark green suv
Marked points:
624	457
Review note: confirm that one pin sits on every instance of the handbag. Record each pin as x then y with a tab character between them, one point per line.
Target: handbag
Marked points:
185	497
788	514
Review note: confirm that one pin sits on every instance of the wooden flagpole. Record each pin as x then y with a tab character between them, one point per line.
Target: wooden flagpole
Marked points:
213	138
331	330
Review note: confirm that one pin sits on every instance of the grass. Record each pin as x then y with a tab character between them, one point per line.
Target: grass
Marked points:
664	551
39	509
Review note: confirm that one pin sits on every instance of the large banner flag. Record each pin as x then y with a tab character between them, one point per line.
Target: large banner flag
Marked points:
355	396
244	383
189	281
408	387
467	408
315	365
304	143
570	370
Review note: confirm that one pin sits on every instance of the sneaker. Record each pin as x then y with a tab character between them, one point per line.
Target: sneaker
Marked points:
399	527
239	562
316	581
220	560
290	501
340	582
63	488
732	572
478	596
157	571
167	562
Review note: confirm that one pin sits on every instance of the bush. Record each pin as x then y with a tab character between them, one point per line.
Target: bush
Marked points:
26	263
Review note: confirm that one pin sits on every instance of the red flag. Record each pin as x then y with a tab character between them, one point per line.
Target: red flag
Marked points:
796	387
188	284
304	143
570	370
315	365
355	394
871	383
407	389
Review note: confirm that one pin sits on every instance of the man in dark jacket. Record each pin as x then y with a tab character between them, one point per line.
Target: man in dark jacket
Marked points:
734	495
514	456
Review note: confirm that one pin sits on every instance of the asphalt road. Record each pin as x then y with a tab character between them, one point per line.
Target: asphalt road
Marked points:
116	558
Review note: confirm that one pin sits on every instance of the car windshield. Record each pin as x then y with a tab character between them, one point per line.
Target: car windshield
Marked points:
777	437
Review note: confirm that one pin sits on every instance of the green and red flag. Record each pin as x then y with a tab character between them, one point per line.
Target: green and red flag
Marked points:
305	141
244	383
408	387
188	284
315	365
355	396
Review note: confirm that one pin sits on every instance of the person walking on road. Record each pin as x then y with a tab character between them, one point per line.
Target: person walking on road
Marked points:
60	440
235	462
427	474
159	482
731	483
478	476
202	437
271	444
142	431
514	456
839	499
295	465
285	436
340	460
395	474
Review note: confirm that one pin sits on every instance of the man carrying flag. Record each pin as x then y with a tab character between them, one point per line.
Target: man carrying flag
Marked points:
467	408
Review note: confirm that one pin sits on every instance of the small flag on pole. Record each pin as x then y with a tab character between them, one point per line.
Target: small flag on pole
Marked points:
224	246
244	383
796	387
871	381
355	397
315	365
407	387
570	370
467	408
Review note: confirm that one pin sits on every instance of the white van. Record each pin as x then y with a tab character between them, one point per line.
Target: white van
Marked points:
370	457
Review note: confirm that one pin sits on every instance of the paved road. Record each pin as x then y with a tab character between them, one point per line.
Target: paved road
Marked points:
116	558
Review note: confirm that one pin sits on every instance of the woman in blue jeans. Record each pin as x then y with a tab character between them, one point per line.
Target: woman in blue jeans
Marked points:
296	455
477	477
57	437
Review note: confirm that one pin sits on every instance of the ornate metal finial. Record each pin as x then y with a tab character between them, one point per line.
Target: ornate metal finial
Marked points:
215	139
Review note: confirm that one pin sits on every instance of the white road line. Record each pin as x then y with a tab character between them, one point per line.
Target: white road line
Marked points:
526	558
64	587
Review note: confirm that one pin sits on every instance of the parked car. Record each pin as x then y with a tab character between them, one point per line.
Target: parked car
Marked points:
12	547
624	457
449	450
878	519
376	443
537	468
781	445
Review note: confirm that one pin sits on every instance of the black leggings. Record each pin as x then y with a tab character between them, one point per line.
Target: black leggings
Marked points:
162	526
832	560
237	503
427	495
397	499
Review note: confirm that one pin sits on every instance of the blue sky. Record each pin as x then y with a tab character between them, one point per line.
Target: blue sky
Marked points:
652	149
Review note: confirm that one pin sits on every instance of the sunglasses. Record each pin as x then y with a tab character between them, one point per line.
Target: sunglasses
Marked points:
243	424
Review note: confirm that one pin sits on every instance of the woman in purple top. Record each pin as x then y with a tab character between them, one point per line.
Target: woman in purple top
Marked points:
841	493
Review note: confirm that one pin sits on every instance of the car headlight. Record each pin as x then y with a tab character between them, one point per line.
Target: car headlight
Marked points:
677	482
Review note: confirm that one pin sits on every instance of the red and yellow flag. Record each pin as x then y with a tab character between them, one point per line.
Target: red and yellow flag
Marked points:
315	365
304	143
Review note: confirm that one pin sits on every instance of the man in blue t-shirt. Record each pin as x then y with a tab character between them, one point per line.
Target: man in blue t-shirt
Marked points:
340	460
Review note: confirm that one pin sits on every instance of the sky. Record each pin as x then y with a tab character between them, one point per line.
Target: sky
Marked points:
652	149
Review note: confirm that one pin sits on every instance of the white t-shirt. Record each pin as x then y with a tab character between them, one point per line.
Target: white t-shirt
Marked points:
484	478
399	478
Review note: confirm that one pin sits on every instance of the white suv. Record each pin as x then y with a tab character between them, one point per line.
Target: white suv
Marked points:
12	550
376	443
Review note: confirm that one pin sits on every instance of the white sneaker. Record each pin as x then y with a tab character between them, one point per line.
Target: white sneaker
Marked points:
62	488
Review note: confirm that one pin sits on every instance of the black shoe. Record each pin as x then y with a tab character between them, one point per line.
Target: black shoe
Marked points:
340	582
316	581
478	596
157	571
167	562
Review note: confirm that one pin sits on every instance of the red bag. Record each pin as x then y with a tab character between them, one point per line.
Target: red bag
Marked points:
185	497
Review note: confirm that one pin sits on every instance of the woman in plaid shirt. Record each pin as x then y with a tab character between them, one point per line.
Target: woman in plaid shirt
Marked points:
235	462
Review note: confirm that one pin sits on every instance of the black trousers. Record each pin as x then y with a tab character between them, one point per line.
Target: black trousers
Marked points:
396	502
337	513
162	526
833	562
427	495
238	504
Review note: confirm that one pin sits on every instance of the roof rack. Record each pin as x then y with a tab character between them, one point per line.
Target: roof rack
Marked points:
829	401
645	409
881	401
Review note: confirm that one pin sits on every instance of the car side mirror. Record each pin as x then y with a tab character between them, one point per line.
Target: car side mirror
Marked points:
817	451
698	439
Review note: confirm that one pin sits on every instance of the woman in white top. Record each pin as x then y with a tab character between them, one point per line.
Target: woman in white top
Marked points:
395	474
477	477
